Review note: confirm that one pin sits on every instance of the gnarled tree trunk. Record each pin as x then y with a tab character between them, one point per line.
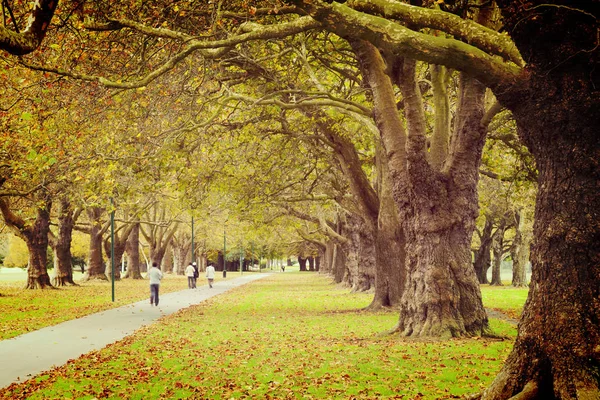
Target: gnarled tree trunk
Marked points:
63	266
442	296
36	237
557	351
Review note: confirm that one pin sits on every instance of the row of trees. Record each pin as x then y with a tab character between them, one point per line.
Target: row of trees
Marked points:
329	79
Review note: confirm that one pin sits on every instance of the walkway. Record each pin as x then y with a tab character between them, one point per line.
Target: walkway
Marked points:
32	353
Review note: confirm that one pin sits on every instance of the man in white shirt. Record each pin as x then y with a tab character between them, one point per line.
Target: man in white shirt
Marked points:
190	272
155	275
210	274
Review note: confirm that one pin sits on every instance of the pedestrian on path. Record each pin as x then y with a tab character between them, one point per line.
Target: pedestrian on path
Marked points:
190	272
210	274
196	273
155	275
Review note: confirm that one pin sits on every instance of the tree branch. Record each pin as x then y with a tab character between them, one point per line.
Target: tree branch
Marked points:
469	31
398	40
30	39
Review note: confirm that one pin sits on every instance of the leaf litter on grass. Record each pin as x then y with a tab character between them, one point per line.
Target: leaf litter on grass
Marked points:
288	336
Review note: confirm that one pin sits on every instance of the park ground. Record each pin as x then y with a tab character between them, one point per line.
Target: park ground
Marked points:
290	335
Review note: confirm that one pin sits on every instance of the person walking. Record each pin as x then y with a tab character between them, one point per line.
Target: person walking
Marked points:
196	273
190	272
210	275
155	275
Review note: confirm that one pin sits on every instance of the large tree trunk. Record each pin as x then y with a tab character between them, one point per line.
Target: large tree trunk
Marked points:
37	244
132	248
63	266
36	237
437	207
557	351
364	276
442	296
95	266
390	255
482	255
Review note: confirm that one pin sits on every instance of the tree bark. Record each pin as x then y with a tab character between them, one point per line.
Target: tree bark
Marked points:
498	250
557	350
302	262
132	247
390	242
520	251
120	244
95	268
36	237
482	255
20	43
63	266
442	296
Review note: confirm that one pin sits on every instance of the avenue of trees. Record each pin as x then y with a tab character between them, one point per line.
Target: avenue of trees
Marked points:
373	131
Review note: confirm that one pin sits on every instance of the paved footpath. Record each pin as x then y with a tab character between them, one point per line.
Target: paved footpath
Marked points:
32	353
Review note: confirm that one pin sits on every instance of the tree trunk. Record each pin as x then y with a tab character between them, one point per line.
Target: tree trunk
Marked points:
390	242
339	263
302	262
95	267
35	236
311	263
167	263
498	250
442	296
483	258
519	252
557	351
132	247
180	254
37	244
63	266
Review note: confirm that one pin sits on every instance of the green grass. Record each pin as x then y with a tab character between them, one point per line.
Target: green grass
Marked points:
23	310
506	299
288	336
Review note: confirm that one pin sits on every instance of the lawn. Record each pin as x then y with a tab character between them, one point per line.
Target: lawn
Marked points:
288	336
23	310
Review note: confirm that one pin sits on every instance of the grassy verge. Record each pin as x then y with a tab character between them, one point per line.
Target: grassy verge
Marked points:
24	310
506	299
288	336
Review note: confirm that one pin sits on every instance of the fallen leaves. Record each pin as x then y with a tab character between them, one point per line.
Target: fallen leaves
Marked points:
284	337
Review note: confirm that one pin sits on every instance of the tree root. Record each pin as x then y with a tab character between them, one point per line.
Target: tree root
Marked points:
529	392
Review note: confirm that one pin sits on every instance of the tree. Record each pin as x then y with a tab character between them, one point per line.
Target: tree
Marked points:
19	43
553	96
35	236
132	248
61	244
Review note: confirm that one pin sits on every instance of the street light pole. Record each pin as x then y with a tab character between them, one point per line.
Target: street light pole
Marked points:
112	247
224	253
193	255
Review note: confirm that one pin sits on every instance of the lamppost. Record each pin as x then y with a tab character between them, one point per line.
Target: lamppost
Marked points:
193	254
112	247
241	260
224	251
